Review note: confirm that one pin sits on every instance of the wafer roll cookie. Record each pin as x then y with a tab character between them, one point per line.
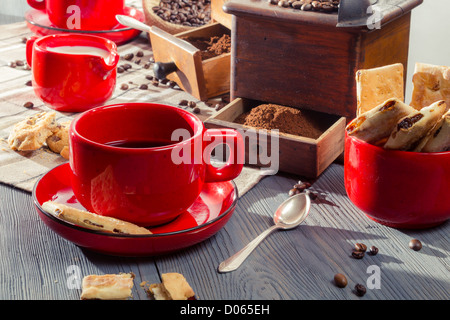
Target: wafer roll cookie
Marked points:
414	127
440	139
91	220
378	123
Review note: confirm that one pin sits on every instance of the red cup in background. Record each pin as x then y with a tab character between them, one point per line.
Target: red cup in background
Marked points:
73	72
125	163
81	14
398	189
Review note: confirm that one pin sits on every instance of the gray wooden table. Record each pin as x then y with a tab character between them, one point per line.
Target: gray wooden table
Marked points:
300	264
36	264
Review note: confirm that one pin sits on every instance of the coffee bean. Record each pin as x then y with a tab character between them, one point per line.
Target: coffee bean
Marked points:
327	7
143	87
183	102
24	40
120	69
20	63
360	290
373	250
340	280
294	191
172	84
155	82
306	7
415	244
28	104
140	53
137	61
149	77
124	86
191	104
128	56
316	5
12	64
357	254
302	185
283	3
361	247
127	66
29	83
297	4
196	110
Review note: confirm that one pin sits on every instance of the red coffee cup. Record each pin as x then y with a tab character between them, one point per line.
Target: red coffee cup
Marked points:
73	72
128	162
81	14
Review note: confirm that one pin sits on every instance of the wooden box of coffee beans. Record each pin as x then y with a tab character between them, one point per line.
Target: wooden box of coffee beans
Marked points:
296	57
306	142
198	59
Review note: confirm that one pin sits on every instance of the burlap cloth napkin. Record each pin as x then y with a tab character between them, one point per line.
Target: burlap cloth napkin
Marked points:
23	169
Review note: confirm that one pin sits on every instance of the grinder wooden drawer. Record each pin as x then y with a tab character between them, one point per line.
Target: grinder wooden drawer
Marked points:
296	154
179	60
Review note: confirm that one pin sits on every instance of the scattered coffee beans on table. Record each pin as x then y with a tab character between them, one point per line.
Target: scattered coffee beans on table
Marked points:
28	104
128	56
299	187
358	254
360	247
373	250
340	280
415	244
360	290
191	104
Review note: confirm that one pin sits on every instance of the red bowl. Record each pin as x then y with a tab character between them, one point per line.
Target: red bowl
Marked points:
398	189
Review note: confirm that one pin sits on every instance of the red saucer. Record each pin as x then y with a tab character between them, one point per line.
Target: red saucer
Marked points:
38	23
210	212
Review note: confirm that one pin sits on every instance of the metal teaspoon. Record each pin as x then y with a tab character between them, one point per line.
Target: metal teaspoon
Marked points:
290	214
132	23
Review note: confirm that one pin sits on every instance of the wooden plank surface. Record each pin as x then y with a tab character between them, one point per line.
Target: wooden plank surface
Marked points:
37	264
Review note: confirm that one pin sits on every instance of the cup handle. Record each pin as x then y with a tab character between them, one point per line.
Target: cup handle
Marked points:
233	167
29	49
39	5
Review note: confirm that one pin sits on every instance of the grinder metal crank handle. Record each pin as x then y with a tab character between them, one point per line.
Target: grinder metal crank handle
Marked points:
162	69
